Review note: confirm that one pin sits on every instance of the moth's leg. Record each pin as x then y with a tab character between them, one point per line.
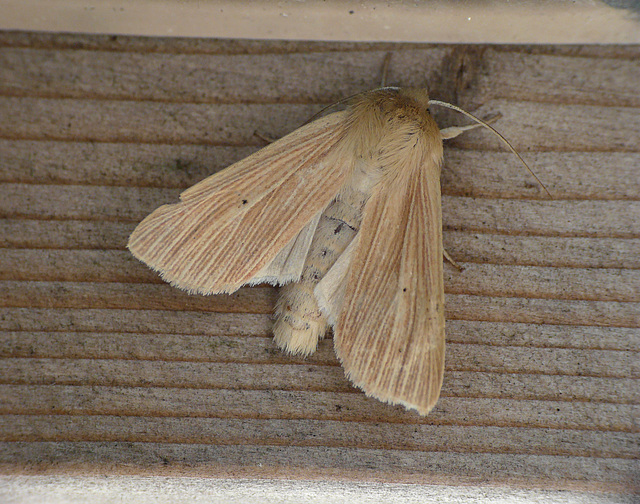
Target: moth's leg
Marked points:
264	137
454	131
451	260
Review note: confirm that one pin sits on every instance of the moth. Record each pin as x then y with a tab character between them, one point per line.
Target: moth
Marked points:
345	214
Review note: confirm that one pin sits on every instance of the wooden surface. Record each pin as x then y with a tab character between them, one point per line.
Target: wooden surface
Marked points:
107	370
471	21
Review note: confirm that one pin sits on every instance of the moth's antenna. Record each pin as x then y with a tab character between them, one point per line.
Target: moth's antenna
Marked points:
486	125
385	69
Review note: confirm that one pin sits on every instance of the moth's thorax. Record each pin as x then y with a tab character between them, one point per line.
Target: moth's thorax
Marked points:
393	127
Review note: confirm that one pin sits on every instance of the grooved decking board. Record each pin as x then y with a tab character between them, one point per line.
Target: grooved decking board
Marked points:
107	370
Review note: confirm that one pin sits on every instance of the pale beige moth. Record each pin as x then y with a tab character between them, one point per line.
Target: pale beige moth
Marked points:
345	214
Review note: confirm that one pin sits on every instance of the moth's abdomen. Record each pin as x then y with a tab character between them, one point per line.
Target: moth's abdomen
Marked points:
299	323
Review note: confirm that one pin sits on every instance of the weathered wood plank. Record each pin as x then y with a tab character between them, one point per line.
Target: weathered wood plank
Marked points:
81	202
115	164
75	265
538	126
194	341
575	375
459	307
557	283
542	311
327	76
121	371
130	296
132	321
480	307
545	251
592	218
211	78
51	275
182	331
73	234
273	403
554	78
191	45
328	485
564	218
325	462
549	126
225	431
569	175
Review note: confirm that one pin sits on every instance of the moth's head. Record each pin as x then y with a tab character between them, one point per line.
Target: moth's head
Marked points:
418	95
415	103
396	124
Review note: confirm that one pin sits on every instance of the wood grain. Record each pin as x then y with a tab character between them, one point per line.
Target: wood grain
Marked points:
107	370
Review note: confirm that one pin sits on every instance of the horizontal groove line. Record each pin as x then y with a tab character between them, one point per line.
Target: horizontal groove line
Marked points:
505	264
159	281
486	232
543	298
472	343
121	220
39	218
78	139
525	233
132	99
289	359
262	143
529	198
555	324
570	100
571	401
266	336
119	248
352	392
614	324
114	248
550	50
257	48
121	141
369	47
305	364
6	304
243	335
122	248
375	421
384	47
391	422
89	139
450	194
470	295
299	443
